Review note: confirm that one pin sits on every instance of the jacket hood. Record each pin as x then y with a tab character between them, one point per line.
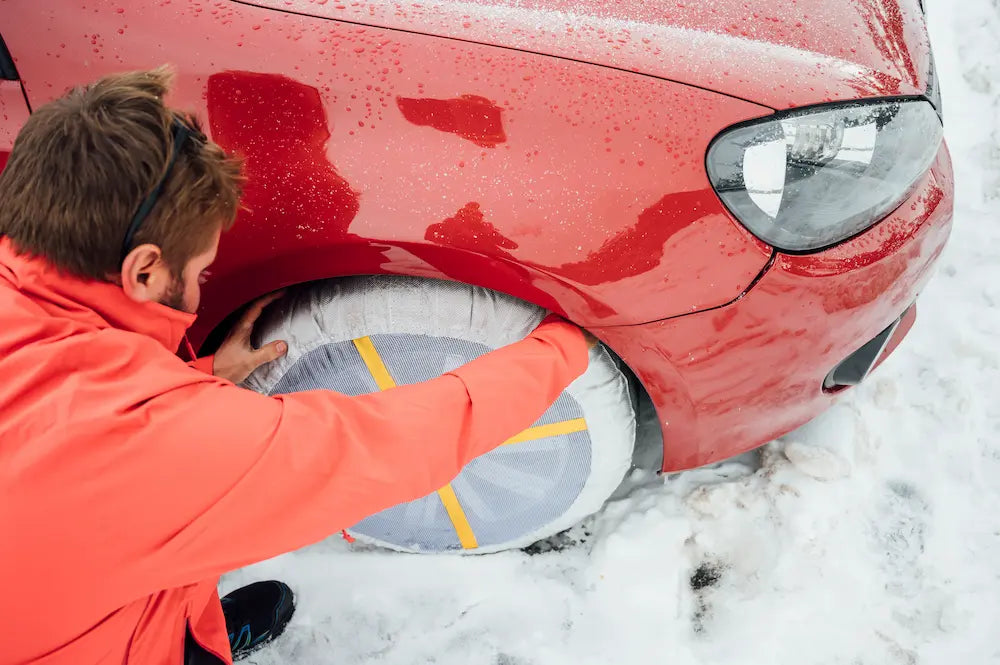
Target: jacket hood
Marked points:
89	302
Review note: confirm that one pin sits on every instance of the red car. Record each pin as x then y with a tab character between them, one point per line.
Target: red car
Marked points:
742	200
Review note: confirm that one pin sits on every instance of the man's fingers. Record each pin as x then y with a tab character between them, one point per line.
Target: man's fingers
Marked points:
267	353
253	311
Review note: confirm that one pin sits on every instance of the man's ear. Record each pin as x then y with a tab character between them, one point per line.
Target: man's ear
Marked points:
145	275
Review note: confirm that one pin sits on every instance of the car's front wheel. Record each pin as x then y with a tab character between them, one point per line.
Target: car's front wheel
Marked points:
362	334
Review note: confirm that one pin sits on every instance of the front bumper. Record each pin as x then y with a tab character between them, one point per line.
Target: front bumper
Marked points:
727	380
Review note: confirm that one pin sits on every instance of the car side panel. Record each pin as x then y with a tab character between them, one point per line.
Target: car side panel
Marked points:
573	186
731	379
13	115
774	52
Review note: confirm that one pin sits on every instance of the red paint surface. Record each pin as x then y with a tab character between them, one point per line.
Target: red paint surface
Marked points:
474	118
13	114
640	248
727	380
596	205
468	229
293	193
463	242
466	248
886	22
831	50
280	128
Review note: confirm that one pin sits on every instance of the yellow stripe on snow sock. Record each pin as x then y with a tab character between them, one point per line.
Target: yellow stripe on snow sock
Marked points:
374	363
458	519
552	429
384	381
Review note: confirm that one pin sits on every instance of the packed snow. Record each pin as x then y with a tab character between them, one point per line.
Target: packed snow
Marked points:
870	536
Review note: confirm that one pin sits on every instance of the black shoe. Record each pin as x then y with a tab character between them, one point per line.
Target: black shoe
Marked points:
256	614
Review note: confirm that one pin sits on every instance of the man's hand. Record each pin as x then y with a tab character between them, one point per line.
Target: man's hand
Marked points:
236	359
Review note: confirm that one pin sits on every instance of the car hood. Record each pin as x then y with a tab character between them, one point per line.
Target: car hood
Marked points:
777	53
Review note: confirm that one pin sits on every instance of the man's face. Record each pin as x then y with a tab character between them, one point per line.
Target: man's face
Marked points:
184	293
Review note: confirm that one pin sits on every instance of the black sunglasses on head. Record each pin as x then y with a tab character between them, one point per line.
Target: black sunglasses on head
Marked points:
182	132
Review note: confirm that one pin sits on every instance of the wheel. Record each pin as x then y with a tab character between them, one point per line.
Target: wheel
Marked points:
560	471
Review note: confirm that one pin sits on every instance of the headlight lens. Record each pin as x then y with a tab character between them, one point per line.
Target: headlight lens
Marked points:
814	178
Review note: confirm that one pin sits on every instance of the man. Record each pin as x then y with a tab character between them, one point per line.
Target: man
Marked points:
129	480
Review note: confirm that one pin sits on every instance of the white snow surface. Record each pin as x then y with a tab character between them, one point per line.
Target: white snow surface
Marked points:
870	536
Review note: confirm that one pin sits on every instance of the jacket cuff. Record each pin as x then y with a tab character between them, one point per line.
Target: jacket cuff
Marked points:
205	364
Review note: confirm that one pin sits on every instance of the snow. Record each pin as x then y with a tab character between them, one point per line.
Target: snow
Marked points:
870	536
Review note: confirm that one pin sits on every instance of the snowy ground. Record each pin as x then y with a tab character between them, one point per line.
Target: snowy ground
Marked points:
895	562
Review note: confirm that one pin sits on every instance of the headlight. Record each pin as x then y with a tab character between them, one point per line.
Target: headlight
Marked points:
813	178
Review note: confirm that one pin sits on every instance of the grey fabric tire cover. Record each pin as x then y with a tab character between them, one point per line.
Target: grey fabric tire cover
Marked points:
571	460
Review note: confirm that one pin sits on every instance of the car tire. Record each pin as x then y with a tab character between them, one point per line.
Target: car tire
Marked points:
576	454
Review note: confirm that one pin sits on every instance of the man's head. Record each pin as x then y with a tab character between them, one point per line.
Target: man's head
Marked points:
84	164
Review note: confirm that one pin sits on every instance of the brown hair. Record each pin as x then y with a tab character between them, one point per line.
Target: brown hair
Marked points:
82	165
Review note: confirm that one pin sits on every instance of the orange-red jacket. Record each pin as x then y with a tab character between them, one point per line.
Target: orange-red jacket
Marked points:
129	481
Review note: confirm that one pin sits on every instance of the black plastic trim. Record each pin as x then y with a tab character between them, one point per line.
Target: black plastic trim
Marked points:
933	94
853	369
8	71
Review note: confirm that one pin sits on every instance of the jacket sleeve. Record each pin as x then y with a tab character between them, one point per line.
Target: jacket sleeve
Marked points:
204	364
228	477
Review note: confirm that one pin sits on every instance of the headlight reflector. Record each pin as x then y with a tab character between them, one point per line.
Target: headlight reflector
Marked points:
813	178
